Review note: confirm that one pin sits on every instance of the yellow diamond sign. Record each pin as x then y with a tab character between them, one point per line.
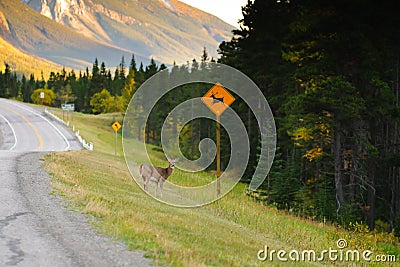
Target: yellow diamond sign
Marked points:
218	99
116	126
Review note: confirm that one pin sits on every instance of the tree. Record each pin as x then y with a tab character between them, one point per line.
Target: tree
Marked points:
132	65
330	73
96	81
129	88
65	95
122	70
204	58
103	102
151	69
49	96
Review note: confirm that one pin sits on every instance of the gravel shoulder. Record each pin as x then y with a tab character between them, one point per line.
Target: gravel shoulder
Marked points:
69	233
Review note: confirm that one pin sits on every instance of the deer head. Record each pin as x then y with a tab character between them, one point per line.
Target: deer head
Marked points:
172	162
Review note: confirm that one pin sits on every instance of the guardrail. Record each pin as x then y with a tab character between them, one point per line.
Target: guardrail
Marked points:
85	144
56	118
88	146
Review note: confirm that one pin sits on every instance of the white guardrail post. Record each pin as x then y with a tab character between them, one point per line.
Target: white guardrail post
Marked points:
88	146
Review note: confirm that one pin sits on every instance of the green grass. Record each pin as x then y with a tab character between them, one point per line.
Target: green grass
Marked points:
228	232
97	129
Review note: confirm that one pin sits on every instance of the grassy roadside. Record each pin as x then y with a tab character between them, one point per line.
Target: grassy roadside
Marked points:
228	232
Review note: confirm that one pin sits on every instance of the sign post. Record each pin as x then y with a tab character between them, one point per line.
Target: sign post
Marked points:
218	99
42	97
116	126
218	155
68	108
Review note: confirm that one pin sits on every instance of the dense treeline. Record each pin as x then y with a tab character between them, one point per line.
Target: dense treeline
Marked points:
330	70
10	85
99	91
94	91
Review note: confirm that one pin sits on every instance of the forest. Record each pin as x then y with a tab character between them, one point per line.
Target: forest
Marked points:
330	72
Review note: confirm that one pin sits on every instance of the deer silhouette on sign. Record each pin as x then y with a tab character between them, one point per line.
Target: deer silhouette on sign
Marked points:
216	99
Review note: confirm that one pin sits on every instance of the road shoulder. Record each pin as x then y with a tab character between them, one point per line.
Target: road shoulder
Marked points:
71	230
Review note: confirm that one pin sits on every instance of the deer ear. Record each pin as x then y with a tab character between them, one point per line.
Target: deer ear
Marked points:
176	159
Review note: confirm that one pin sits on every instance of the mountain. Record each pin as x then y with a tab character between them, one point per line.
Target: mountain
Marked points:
38	35
73	32
24	63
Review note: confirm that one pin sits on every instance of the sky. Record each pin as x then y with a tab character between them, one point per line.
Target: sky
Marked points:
227	10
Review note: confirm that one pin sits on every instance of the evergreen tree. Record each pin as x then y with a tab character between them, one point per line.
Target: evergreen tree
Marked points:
25	89
327	69
129	88
151	69
96	81
132	65
139	76
122	70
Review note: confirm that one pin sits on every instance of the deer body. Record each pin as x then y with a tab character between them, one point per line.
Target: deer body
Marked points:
217	99
157	174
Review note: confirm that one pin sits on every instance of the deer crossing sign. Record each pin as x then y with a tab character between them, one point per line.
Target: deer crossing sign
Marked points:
218	99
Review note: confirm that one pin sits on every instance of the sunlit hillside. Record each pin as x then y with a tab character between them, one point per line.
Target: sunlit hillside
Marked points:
73	36
23	63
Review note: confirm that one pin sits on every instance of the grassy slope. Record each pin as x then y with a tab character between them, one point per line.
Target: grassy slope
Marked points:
228	232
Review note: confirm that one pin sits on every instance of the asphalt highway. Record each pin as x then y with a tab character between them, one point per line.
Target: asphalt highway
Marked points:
36	227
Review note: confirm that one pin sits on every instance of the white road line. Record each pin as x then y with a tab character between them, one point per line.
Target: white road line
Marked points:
49	122
12	129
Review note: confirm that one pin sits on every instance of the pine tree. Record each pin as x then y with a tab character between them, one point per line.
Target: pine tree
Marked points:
132	65
151	69
129	88
122	70
96	83
25	90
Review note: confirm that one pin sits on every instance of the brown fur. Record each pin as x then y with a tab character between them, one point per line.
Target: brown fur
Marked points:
158	174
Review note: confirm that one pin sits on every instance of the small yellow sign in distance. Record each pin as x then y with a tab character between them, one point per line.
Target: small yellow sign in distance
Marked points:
116	126
218	99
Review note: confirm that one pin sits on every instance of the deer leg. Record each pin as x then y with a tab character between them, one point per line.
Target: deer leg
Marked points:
156	188
145	184
161	187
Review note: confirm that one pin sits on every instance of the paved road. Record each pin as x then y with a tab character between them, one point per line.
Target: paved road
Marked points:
27	129
35	227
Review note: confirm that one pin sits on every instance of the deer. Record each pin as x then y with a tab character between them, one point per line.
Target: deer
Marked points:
216	99
157	174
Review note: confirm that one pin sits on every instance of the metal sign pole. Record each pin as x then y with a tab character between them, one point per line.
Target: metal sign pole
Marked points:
116	142
218	156
116	126
218	99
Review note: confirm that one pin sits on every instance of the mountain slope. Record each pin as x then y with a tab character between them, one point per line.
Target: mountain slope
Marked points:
23	63
167	30
31	32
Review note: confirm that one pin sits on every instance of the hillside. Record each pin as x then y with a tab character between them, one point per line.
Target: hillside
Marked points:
29	31
228	232
24	63
72	33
